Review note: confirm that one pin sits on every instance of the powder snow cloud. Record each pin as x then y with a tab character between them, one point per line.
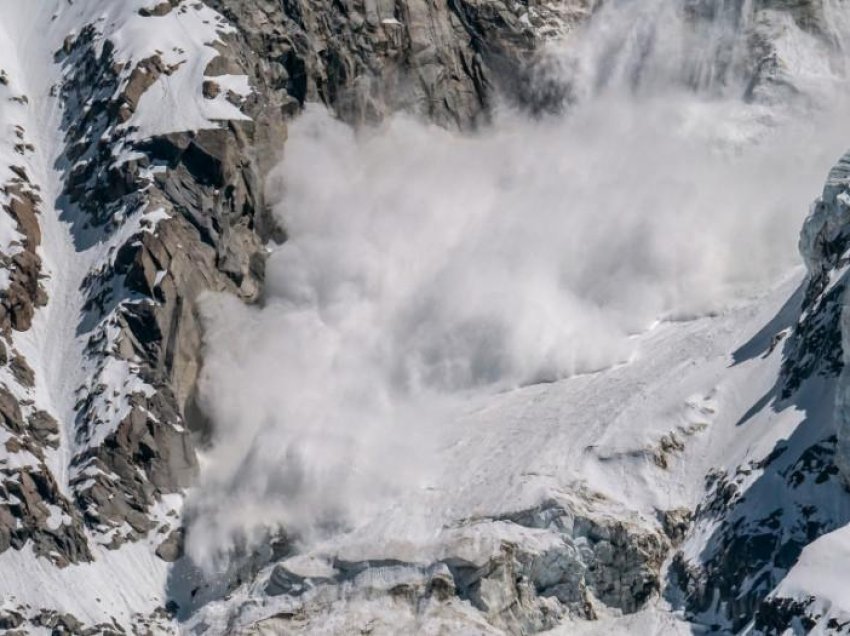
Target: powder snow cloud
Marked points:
424	265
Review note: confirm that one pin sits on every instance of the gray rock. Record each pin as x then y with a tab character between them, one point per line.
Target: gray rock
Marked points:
160	9
210	89
171	548
22	371
368	60
11	619
25	292
10	411
676	523
44	428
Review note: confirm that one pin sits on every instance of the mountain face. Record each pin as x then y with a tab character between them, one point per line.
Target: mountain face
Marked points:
182	184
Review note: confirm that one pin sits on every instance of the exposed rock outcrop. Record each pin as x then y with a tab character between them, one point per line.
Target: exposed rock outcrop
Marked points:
521	573
821	343
367	60
24	292
195	231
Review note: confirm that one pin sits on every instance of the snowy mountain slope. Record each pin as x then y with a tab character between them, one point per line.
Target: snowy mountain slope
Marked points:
681	485
626	476
530	469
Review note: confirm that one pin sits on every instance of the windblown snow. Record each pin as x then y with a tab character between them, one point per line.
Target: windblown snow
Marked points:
461	327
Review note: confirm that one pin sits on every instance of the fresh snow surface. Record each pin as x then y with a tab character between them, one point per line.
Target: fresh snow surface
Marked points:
822	570
820	578
648	622
119	585
593	433
184	39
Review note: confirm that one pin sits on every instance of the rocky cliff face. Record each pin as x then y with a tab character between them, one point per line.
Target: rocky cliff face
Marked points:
822	335
366	60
